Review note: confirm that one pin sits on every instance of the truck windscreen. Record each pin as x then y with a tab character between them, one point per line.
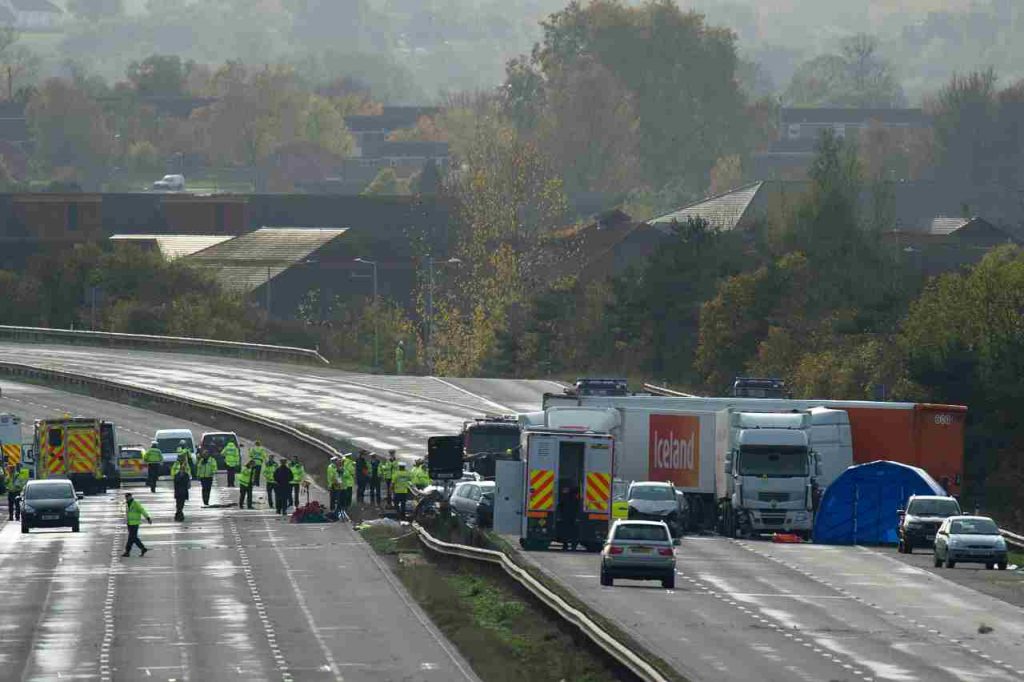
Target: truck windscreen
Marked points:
491	440
772	460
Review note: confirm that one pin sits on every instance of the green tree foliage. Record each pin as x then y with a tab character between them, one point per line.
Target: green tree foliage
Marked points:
158	74
661	71
856	77
387	183
68	127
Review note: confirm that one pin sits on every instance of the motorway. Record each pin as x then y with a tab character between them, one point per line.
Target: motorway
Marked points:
226	595
743	610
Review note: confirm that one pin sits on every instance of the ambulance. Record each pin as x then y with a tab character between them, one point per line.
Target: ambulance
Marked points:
82	449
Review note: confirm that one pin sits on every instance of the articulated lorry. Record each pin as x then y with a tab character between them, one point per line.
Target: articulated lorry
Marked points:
929	436
749	472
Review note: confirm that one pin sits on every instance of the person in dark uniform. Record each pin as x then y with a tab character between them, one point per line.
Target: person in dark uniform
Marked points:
283	494
567	524
375	479
362	476
181	475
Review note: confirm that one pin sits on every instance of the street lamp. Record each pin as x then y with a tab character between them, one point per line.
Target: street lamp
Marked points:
430	306
376	312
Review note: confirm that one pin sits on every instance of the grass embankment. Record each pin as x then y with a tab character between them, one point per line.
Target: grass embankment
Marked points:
501	631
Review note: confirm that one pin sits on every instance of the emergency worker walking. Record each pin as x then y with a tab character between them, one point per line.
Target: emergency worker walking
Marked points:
232	460
207	467
245	478
283	479
401	480
134	513
154	459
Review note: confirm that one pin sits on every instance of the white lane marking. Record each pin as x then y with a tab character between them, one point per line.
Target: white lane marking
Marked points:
503	408
261	609
301	601
108	612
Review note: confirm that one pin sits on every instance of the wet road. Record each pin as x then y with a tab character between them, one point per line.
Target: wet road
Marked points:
226	595
746	610
377	412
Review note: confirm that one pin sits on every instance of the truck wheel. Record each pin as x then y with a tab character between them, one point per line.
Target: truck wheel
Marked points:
1001	565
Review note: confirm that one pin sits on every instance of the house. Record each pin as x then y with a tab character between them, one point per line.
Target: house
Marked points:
799	130
35	15
942	244
171	246
737	209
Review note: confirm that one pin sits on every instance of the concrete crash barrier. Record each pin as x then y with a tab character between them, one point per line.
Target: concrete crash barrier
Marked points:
313	451
625	654
176	344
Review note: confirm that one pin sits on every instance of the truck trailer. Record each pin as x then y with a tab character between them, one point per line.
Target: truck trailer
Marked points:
925	435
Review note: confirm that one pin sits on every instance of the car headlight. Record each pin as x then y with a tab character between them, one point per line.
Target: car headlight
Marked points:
71	508
1001	544
800	516
28	509
954	541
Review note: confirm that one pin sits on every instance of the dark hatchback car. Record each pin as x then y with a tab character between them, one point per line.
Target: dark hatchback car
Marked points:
51	503
473	502
215	441
920	521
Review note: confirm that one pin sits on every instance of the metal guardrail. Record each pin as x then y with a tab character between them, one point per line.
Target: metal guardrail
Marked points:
1012	538
257	351
663	390
616	649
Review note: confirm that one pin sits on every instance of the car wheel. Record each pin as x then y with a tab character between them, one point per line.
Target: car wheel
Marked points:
669	583
989	566
938	561
24	527
950	563
607	580
1001	565
76	528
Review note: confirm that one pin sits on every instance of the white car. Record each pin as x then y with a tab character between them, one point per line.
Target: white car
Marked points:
970	539
170	183
169	440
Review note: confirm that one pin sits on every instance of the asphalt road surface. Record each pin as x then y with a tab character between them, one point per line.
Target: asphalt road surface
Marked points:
753	610
377	412
229	594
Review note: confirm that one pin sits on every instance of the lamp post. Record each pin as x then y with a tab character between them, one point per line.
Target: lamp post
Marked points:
430	306
376	313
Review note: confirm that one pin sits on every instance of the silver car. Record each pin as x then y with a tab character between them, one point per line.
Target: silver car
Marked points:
970	539
639	550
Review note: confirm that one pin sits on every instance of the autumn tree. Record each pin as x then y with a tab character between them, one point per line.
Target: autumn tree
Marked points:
68	127
856	77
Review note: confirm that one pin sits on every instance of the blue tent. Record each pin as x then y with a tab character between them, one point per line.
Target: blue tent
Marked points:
860	505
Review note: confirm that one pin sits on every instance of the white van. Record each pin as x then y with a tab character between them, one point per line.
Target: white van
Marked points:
168	440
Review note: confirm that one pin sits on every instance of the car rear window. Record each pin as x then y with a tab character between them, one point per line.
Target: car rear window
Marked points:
974	527
130	454
644	532
50	491
652	492
940	507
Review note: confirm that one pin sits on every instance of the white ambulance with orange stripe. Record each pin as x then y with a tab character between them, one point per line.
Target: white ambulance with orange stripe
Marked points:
82	449
10	439
566	466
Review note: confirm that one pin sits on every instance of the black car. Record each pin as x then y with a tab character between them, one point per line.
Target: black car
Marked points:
473	502
920	522
215	441
50	503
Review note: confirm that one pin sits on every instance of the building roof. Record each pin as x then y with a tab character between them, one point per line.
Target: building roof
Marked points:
945	226
723	211
829	115
245	263
173	245
36	6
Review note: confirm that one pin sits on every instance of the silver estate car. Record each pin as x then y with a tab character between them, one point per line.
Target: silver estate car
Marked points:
970	539
639	550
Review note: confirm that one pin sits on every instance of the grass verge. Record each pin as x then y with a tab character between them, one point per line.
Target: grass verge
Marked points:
504	634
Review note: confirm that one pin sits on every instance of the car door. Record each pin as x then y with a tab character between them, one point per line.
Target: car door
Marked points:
472	500
457	501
